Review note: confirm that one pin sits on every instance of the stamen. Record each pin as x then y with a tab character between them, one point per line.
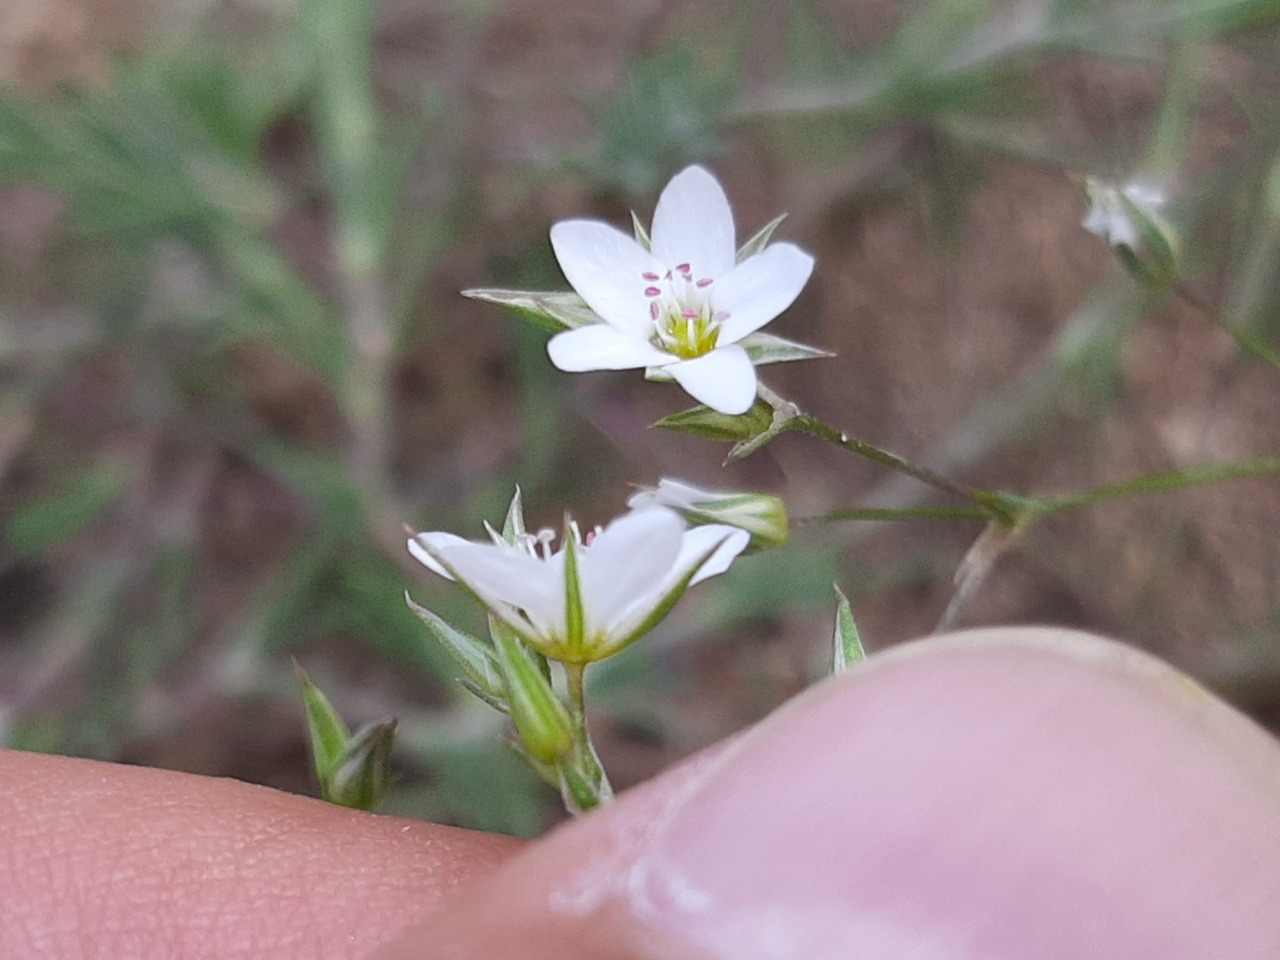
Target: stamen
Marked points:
650	275
652	292
704	282
654	310
690	314
683	268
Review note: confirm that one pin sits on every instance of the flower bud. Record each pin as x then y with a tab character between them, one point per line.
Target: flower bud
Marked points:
761	515
354	770
1129	218
363	772
541	720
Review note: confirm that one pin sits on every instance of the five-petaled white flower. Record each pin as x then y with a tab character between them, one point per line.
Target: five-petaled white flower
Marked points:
681	306
593	595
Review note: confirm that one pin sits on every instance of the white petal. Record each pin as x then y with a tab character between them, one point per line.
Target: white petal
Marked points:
760	288
668	493
605	266
627	565
507	575
700	539
694	545
437	541
693	224
723	379
602	347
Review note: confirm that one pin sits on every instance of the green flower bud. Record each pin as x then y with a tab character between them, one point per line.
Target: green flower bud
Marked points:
362	776
353	770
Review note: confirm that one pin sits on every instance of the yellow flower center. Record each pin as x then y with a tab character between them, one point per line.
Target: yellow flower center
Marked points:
684	321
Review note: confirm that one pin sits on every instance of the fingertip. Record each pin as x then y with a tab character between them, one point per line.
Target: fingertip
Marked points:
995	794
112	861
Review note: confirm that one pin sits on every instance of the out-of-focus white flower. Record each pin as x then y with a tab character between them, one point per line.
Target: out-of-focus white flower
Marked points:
591	596
681	305
1113	210
763	516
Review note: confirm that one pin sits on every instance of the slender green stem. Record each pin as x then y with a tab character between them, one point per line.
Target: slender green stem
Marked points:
988	505
1155	483
597	787
894	513
1247	340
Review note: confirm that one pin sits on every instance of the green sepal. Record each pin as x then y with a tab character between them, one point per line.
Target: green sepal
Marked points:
765	348
550	310
1155	263
474	657
761	239
575	619
846	643
329	734
704	422
363	772
513	525
642	235
541	720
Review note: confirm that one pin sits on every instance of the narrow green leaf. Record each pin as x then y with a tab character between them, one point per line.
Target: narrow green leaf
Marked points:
765	348
550	310
329	735
49	520
473	656
761	240
705	422
846	642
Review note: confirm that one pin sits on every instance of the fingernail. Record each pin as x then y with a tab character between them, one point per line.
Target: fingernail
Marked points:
1016	794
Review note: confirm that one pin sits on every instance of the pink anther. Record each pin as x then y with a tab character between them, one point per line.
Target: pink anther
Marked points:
653	310
704	282
652	292
650	275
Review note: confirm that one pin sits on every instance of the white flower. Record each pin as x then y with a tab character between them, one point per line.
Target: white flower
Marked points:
1112	210
681	306
592	596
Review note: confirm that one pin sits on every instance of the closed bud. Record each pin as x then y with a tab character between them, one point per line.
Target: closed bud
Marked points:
762	516
1130	218
362	776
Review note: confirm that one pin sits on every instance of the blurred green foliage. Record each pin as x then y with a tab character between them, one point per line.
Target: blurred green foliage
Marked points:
133	370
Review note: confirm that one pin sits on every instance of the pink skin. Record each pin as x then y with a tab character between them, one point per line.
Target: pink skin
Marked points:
997	794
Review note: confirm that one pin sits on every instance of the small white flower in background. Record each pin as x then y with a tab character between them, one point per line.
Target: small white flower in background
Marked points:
682	305
761	515
1112	210
591	596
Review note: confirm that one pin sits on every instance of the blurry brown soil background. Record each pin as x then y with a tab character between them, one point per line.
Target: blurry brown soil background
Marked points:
977	328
